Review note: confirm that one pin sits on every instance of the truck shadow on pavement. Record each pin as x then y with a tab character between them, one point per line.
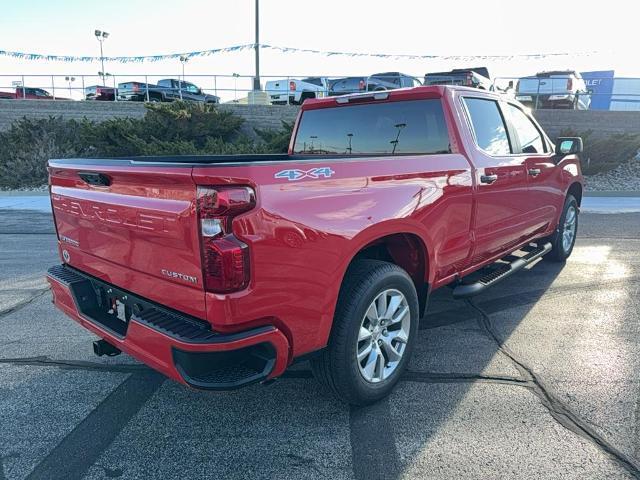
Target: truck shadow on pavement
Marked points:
148	427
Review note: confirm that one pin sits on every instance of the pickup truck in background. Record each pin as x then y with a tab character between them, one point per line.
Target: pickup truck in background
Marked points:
30	93
295	92
221	271
375	83
100	92
557	89
466	77
167	90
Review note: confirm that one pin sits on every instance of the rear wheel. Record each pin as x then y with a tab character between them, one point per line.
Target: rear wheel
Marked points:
564	238
374	329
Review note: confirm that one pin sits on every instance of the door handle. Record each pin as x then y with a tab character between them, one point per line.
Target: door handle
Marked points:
488	178
534	172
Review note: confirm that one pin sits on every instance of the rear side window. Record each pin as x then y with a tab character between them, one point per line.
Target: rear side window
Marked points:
488	126
528	134
392	128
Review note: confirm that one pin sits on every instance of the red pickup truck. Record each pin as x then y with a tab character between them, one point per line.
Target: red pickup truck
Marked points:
30	93
220	271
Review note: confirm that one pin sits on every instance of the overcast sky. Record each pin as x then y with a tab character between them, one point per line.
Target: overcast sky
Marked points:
489	27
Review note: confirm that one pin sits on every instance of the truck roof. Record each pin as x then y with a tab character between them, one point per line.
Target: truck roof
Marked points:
411	93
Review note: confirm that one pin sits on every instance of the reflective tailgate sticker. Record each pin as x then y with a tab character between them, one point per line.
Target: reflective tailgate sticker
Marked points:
297	174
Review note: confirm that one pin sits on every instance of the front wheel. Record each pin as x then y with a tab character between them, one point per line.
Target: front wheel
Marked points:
374	328
564	238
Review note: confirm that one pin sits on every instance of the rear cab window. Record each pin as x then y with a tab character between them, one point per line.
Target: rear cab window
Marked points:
390	128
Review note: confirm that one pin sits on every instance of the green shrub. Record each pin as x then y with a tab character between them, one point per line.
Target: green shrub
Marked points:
601	155
178	128
277	141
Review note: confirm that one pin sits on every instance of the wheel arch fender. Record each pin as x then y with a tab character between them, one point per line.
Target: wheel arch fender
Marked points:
400	242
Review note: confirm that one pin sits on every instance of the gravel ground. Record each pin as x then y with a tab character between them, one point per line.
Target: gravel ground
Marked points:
624	178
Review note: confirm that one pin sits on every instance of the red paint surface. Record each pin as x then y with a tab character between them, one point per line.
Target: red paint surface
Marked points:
303	234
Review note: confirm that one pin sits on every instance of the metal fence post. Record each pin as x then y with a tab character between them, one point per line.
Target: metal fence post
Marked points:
537	95
115	87
24	90
83	90
53	87
146	87
215	85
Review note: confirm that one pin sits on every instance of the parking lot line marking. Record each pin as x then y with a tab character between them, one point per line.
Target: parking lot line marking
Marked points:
373	445
80	449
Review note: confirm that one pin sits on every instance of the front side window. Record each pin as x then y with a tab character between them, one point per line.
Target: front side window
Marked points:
529	136
488	126
390	128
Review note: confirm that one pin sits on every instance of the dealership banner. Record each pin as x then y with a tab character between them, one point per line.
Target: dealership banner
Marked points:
600	84
249	46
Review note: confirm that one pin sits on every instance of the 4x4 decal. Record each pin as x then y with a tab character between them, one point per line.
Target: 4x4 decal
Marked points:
297	174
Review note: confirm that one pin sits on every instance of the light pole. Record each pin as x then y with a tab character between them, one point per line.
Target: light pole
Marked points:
235	86
256	79
395	142
101	36
69	81
183	59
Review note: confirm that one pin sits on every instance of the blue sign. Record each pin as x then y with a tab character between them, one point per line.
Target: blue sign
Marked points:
601	84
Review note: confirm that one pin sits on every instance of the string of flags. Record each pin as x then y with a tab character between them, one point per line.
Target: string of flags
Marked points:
262	46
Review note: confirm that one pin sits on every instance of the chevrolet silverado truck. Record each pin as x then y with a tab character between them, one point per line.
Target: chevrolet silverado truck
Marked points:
221	271
30	93
167	90
557	89
294	91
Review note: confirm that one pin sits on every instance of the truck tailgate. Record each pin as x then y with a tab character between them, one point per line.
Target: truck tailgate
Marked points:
139	231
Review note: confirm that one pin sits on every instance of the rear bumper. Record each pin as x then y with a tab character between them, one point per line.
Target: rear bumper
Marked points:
181	347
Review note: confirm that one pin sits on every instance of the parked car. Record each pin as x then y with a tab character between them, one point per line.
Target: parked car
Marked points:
100	92
556	89
166	90
373	83
221	271
294	92
30	93
468	77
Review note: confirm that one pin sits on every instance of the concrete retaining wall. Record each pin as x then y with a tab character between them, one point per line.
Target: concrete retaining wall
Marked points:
603	123
258	116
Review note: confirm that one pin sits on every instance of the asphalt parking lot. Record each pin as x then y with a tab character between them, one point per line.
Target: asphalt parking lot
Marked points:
537	378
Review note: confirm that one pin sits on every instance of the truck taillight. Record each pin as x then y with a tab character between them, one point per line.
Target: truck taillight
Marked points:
292	86
569	83
225	259
362	85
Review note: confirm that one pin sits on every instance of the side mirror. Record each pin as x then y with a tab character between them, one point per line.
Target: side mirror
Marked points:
568	145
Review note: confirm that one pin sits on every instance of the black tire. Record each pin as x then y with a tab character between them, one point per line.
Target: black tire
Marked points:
155	99
561	250
336	367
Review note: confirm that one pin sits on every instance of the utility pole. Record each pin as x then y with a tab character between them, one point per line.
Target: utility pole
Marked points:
256	79
102	36
183	59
